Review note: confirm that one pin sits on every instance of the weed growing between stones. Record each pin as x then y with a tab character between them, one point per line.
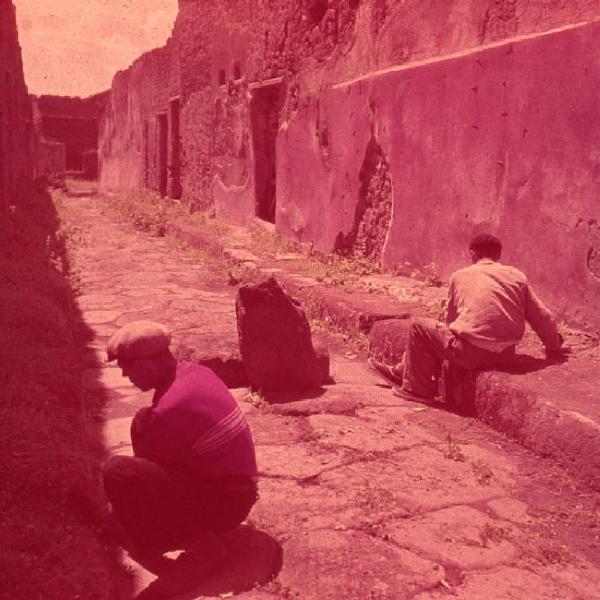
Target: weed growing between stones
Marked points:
453	450
280	591
143	209
314	435
483	473
150	213
256	398
355	345
271	243
493	534
332	269
233	272
428	273
375	498
540	544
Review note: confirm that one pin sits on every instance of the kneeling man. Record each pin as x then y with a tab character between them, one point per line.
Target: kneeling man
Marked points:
193	472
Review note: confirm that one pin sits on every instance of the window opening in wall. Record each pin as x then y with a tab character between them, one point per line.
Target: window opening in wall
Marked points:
265	109
237	70
222	77
163	148
175	106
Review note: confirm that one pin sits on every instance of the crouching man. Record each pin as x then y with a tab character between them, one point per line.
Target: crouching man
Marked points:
193	472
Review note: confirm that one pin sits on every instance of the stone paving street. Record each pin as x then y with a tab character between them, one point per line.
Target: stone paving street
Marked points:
370	497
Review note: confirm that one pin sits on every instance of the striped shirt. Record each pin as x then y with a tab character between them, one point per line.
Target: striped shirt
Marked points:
196	424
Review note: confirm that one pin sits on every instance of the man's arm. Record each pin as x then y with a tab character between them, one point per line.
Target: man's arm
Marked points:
542	322
138	428
155	438
451	312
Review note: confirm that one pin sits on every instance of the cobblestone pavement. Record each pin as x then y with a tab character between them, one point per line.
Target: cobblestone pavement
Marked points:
369	496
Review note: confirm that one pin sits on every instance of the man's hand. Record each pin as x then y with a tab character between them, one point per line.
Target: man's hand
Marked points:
138	424
560	353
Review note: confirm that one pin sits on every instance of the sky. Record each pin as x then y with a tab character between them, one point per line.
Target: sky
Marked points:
75	47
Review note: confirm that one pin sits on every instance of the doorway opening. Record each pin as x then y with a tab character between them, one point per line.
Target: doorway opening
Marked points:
163	149
146	155
175	106
265	109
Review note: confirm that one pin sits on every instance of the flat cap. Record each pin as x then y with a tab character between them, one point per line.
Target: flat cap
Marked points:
138	339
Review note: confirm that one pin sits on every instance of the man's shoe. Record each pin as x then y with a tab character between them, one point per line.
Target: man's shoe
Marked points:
387	372
400	392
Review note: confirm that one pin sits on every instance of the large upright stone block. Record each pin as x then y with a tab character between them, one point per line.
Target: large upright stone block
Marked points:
275	340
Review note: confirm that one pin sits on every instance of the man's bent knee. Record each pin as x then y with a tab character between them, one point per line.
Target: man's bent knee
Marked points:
129	471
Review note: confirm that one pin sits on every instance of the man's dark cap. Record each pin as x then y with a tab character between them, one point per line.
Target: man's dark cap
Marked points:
486	241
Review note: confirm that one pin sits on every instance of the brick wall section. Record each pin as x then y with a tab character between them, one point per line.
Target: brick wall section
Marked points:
342	176
73	122
16	128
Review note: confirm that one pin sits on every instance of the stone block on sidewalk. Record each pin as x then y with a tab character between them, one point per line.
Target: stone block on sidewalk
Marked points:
352	310
229	368
388	339
275	340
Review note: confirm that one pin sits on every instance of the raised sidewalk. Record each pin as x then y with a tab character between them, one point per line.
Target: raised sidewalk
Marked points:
550	408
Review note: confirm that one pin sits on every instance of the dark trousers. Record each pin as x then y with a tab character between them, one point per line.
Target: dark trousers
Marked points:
164	510
430	343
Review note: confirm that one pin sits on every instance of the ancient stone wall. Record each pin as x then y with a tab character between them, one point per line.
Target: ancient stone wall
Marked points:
381	129
133	146
504	139
16	128
70	121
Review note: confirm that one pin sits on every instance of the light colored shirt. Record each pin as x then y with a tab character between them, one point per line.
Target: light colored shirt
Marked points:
489	303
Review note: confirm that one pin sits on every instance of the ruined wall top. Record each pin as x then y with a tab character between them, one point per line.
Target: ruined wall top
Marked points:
75	107
16	128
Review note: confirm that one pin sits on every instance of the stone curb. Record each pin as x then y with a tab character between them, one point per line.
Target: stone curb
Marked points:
567	437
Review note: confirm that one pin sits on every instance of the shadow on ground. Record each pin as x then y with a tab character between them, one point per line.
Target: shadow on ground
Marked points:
253	558
50	457
287	396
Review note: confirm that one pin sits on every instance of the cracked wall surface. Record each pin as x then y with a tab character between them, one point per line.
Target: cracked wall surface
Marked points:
16	127
373	214
459	90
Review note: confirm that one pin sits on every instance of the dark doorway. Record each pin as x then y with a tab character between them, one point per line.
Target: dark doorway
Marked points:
3	145
163	148
265	108
146	155
175	149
